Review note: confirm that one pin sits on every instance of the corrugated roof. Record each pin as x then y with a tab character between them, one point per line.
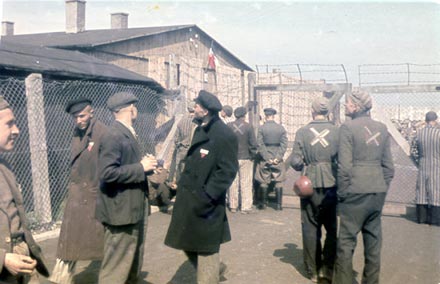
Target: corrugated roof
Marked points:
59	62
94	38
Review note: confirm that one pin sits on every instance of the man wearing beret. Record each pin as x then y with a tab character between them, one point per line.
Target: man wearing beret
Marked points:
79	213
365	171
122	198
272	145
20	256
199	224
317	145
428	180
241	190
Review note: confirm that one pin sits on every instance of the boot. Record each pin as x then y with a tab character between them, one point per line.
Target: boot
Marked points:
262	198
279	196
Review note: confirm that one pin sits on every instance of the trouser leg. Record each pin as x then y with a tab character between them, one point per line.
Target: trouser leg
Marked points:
279	196
372	237
233	192
262	196
310	240
328	219
246	184
207	266
350	223
120	250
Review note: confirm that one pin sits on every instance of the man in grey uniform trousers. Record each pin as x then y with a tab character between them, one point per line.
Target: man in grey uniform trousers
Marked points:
122	198
365	171
272	145
316	145
199	224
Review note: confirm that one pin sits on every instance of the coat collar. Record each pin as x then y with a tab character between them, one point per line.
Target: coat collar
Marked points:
81	142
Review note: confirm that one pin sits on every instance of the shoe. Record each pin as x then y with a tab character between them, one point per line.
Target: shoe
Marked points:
314	278
222	272
170	210
233	210
326	273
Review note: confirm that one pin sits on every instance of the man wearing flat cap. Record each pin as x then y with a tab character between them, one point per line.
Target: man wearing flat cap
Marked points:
226	114
20	256
240	191
428	180
199	224
79	213
122	197
365	171
317	145
272	145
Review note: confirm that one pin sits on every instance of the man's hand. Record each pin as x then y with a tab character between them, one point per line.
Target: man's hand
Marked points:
149	163
19	264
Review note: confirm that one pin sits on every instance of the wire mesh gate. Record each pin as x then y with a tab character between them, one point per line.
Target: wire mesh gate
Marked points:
41	158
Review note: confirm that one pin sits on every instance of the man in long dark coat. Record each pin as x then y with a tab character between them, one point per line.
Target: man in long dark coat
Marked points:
79	216
317	146
20	256
365	171
122	199
199	223
428	180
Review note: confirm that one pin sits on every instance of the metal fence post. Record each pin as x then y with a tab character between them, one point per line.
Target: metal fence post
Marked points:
38	147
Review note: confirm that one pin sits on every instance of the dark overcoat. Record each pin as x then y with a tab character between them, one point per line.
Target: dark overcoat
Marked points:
79	215
123	188
199	222
8	182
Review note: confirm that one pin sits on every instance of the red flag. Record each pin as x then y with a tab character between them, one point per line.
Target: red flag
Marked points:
212	59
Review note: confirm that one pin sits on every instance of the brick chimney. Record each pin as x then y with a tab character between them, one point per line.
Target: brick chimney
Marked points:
7	28
75	16
119	20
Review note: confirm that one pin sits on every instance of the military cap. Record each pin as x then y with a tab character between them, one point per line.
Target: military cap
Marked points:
120	100
240	112
208	101
77	105
320	105
228	110
3	103
362	99
430	116
269	111
296	162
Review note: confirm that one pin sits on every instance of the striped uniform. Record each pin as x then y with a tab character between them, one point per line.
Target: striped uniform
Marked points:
428	181
428	187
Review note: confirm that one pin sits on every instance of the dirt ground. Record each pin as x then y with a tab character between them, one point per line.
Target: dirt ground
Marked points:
266	247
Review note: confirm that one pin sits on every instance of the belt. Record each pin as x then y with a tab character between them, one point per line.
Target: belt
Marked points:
272	144
367	163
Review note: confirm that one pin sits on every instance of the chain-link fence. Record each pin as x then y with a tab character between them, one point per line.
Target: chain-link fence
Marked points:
41	158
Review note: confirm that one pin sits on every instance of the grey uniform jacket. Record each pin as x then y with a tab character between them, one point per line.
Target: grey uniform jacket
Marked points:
365	164
317	143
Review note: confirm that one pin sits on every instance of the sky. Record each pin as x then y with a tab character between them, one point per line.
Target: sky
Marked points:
274	32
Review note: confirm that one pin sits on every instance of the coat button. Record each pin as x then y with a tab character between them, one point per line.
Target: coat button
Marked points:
8	239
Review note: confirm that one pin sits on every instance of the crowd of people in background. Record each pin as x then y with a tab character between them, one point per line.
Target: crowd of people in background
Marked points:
217	163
